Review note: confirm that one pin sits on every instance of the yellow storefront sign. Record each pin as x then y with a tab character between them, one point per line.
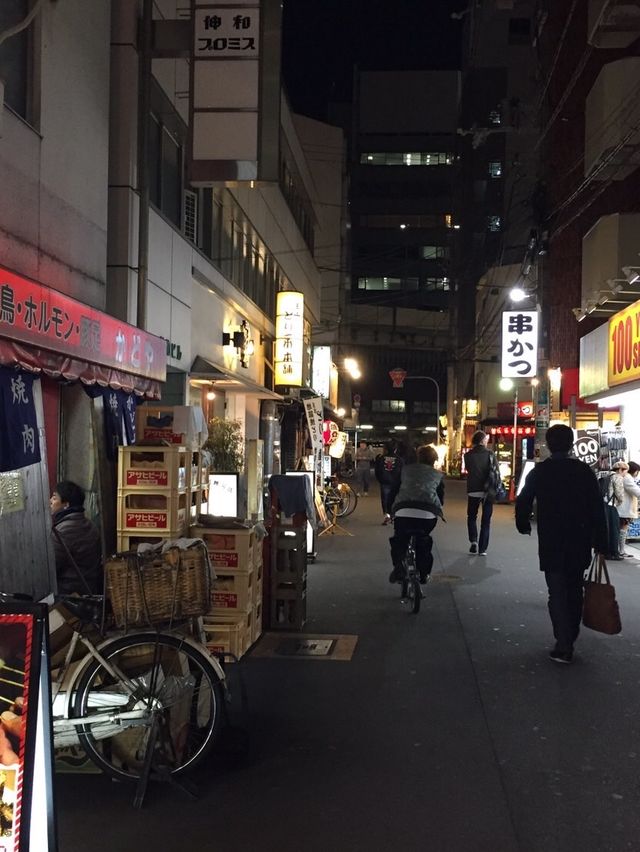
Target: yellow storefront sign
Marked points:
624	346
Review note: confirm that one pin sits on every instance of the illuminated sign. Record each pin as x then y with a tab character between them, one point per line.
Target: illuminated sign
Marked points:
624	346
508	430
321	371
46	318
470	407
519	344
289	345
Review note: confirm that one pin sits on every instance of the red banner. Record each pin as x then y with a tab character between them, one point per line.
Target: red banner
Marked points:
40	316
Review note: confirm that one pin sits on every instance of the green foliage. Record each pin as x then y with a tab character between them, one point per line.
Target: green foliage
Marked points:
226	445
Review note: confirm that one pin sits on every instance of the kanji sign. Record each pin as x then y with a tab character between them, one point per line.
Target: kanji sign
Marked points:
225	31
289	347
519	344
42	317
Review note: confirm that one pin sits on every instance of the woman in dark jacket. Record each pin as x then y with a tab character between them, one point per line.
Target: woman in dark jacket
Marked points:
416	505
478	463
75	540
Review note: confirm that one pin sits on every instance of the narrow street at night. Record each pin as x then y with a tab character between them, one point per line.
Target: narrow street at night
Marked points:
449	731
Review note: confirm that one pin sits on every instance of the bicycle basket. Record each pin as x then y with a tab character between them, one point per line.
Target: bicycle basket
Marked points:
146	589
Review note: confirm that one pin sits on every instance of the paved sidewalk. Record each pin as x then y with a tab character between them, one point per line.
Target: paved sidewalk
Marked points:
449	731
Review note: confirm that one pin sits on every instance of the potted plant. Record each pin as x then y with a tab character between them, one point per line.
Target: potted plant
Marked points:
225	445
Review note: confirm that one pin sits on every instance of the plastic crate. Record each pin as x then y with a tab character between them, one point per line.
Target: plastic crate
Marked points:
228	548
130	541
288	610
232	591
256	624
231	634
155	423
154	512
154	468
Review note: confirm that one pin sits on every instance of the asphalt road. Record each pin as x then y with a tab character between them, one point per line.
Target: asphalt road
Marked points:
449	731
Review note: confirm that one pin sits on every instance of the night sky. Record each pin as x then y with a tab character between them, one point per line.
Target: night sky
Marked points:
322	39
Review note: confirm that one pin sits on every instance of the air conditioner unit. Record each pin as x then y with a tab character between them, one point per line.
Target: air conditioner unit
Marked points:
190	215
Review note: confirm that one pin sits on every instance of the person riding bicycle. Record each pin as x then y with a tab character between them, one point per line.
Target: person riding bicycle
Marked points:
418	502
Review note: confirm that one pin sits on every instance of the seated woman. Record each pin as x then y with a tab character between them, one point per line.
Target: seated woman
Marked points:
416	508
76	542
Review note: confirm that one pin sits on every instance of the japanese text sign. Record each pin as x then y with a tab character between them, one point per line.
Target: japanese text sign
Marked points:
289	345
519	344
624	346
19	437
43	317
321	371
226	31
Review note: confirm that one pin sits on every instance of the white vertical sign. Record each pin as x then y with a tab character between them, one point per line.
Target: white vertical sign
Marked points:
519	344
321	371
313	410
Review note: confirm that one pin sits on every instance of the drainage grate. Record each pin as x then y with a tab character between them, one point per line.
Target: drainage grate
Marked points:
305	647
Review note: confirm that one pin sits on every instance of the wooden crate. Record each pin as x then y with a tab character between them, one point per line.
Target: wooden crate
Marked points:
151	512
148	468
228	548
230	633
233	591
130	541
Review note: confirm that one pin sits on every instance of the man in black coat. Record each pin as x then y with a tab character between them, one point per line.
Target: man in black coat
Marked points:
478	463
571	521
76	542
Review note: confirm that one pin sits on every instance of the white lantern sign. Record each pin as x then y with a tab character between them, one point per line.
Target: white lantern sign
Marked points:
519	344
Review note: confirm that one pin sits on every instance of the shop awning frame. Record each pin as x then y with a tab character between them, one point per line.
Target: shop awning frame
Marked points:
224	380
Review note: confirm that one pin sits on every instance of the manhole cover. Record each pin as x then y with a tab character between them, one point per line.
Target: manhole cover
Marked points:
305	647
445	578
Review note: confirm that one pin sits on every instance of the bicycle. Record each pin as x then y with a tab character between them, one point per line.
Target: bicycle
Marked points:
136	702
339	497
410	589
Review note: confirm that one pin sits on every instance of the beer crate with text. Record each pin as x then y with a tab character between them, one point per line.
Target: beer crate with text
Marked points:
231	634
152	512
233	591
130	541
154	468
228	548
157	423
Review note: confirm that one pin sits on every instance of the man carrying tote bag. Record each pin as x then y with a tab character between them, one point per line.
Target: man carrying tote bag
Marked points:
571	521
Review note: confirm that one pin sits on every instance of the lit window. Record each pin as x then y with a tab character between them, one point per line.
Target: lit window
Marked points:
434	252
495	168
409	158
448	220
494	223
495	117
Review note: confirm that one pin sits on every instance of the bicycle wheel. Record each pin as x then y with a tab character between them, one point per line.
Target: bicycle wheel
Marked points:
415	593
348	499
174	685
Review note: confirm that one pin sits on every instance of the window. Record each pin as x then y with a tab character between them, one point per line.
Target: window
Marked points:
435	283
379	283
15	56
494	223
495	117
423	407
165	171
434	252
412	158
393	405
495	169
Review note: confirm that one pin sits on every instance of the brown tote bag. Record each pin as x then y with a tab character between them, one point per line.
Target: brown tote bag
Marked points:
600	611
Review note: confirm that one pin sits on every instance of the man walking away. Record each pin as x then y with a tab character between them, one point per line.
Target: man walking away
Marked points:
571	520
364	457
388	466
478	463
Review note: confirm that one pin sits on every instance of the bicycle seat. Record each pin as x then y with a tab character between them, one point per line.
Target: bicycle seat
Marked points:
86	608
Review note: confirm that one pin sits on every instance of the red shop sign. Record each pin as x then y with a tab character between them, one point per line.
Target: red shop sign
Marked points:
35	314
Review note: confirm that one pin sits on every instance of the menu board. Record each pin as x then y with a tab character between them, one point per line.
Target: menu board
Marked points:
26	749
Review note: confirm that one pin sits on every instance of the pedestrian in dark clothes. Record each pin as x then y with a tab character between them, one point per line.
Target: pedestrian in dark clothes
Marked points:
478	463
76	542
387	467
571	521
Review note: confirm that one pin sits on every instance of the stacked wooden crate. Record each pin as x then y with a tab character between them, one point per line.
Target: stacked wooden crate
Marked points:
160	491
235	620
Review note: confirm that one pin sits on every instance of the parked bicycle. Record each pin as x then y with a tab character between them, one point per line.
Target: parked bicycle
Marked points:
339	497
136	702
410	588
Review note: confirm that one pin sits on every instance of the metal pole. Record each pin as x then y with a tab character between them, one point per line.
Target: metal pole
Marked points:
512	484
145	41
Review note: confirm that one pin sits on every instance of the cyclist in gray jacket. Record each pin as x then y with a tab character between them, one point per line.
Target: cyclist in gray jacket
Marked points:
418	502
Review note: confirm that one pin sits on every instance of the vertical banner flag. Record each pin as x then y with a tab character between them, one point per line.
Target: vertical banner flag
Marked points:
313	410
19	438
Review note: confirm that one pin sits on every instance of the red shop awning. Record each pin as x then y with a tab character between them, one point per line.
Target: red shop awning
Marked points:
60	366
46	331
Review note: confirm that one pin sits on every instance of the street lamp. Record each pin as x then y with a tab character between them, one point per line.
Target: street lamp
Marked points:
505	385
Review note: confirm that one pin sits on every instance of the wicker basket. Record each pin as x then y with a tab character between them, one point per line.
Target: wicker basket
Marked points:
149	590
